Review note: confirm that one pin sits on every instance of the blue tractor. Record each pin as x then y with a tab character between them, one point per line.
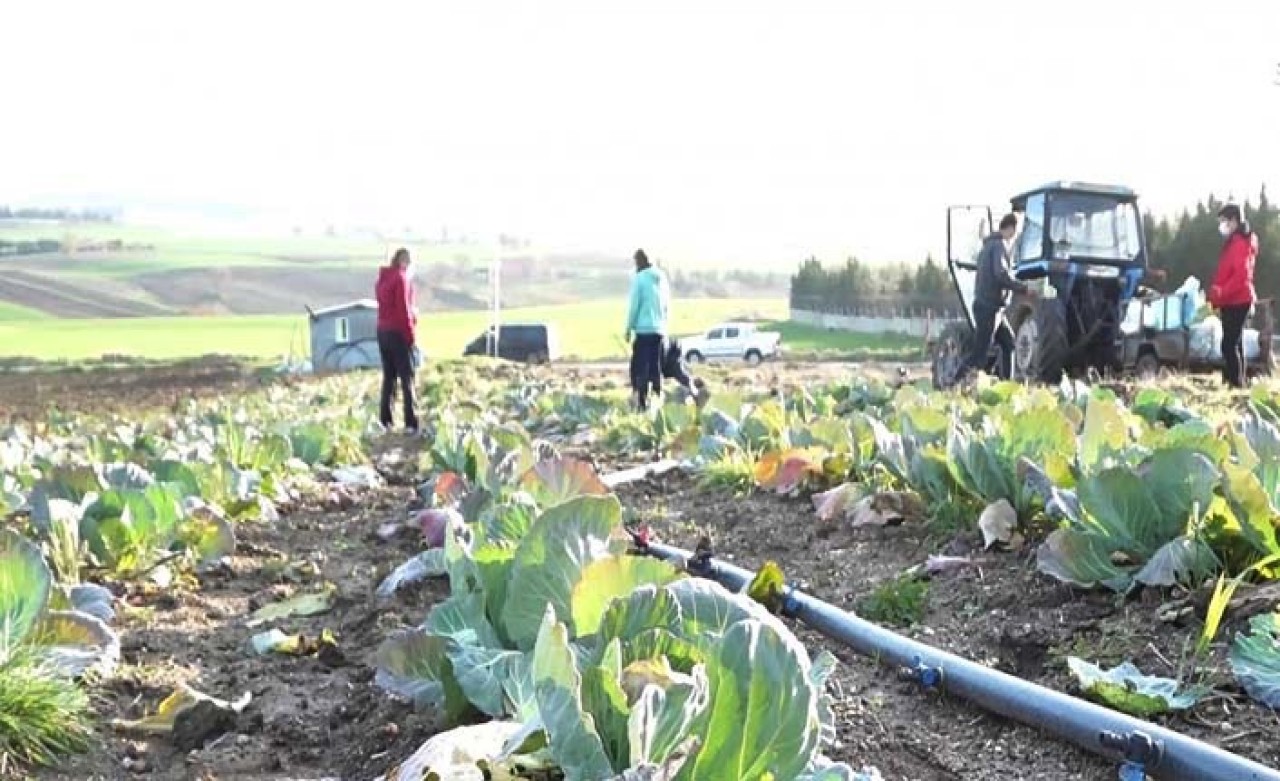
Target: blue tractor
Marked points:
1081	247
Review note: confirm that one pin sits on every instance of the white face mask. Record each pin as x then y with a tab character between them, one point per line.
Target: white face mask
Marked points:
1224	228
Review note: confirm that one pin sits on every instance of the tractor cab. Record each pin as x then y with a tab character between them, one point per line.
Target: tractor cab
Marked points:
1079	228
1082	250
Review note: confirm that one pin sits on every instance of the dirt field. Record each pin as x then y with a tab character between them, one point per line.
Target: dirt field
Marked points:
1001	612
309	718
30	395
319	719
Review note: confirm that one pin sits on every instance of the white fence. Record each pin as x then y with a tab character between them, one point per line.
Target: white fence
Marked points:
872	324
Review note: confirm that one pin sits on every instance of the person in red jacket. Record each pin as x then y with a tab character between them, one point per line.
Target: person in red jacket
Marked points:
1232	291
397	322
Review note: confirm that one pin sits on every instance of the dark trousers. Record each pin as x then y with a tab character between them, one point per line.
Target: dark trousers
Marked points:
646	366
985	332
397	366
1233	365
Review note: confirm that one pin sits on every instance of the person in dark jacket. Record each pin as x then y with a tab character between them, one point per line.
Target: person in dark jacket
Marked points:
1232	292
675	368
397	338
991	294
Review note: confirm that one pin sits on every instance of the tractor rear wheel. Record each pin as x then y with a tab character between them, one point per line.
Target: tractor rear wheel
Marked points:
950	353
1041	342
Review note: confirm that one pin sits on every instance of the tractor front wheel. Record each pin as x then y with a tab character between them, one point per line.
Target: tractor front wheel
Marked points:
1041	343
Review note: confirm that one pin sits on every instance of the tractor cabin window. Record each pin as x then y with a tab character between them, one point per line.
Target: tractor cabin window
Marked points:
1093	226
1031	243
341	331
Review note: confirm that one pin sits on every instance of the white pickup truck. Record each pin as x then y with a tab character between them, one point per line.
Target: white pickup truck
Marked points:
732	341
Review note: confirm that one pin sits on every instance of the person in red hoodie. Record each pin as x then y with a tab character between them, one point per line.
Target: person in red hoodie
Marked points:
397	322
1232	292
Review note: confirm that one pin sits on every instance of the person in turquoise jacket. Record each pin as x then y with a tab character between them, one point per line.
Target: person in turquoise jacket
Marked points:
647	328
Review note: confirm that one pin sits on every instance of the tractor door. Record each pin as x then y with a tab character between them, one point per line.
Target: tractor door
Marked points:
967	227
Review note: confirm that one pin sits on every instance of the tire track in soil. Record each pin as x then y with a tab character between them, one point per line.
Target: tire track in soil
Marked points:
307	719
1005	615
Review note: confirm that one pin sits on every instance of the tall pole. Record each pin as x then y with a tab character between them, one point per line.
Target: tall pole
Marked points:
495	292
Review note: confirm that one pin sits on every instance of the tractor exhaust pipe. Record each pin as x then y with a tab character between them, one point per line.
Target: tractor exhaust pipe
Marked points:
1139	746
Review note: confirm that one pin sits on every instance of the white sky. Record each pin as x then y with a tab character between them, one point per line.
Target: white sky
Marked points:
762	130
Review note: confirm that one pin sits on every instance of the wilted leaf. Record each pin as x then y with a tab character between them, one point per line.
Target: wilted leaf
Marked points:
428	564
449	488
302	605
1126	689
998	522
787	471
887	508
461	754
837	501
275	641
182	699
768	586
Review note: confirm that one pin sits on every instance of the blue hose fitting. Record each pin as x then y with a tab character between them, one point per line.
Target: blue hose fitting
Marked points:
1139	750
1133	771
790	605
928	677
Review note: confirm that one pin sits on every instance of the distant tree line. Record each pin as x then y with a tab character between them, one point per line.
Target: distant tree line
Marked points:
858	287
65	215
1188	244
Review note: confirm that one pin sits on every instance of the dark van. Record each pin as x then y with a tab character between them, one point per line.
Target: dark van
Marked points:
523	342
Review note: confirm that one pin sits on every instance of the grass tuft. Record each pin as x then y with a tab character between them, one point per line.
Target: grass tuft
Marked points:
734	471
898	602
44	716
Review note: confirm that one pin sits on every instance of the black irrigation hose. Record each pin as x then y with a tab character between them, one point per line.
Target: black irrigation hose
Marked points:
1139	746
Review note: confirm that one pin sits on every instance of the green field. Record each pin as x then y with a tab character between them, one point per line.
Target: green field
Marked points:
589	331
10	311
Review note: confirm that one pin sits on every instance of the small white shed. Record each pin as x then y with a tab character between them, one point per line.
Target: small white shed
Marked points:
345	337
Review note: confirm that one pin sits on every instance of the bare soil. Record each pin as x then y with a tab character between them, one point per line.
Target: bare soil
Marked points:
1001	613
31	395
310	717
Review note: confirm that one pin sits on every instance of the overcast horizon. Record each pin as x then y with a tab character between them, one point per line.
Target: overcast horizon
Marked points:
732	129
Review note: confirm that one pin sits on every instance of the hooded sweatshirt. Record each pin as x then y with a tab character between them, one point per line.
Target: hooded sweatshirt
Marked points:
1233	284
650	300
395	302
991	288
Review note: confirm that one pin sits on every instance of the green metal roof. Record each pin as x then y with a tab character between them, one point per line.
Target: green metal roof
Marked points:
1113	190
